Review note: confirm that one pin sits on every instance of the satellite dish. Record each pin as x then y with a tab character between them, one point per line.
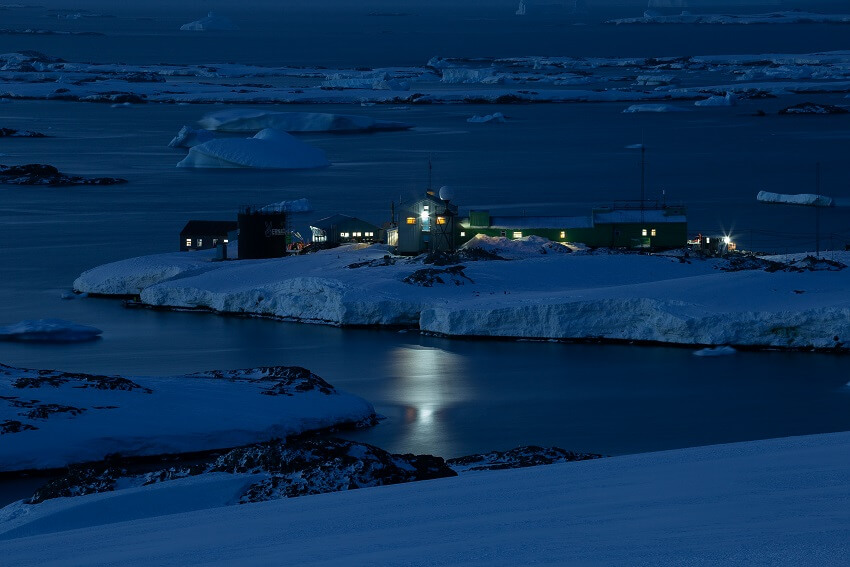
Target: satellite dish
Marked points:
447	193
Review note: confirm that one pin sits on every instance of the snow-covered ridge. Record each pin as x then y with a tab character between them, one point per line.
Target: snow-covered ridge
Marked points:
578	296
780	501
51	419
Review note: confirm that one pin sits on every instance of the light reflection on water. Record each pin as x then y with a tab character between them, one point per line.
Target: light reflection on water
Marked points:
431	381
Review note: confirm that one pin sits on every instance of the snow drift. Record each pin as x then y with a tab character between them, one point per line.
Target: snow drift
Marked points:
269	149
247	120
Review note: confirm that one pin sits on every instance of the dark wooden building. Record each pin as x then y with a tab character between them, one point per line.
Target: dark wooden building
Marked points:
203	234
340	229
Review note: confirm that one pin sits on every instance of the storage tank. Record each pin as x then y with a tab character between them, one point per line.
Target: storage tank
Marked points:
263	232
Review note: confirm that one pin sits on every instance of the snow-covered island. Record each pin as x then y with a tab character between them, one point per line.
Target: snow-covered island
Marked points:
530	289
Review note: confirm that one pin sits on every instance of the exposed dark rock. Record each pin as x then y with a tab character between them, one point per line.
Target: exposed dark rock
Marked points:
296	468
13	426
529	456
741	262
55	379
115	98
283	380
44	411
385	261
12	133
814	108
427	277
41	174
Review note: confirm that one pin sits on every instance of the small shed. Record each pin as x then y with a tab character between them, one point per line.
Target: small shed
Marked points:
340	229
205	234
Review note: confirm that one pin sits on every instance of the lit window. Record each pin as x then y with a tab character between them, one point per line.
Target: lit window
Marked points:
643	232
215	241
425	208
358	234
563	234
226	241
188	242
517	234
707	240
462	234
441	220
411	220
652	232
200	242
343	235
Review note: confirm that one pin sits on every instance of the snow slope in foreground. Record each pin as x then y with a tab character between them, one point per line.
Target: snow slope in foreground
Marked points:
51	419
776	502
560	296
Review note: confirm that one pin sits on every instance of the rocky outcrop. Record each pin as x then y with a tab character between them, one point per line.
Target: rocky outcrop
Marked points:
40	174
520	457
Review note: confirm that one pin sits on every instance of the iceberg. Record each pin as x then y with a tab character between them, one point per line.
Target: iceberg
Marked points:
188	137
728	100
293	206
212	22
715	351
49	331
269	149
247	120
809	199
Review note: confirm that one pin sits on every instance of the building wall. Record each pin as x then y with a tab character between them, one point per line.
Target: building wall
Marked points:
207	241
352	230
667	235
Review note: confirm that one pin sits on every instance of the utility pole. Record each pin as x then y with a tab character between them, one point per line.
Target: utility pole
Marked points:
817	211
642	179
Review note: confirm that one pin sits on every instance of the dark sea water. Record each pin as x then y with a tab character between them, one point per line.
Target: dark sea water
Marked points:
443	397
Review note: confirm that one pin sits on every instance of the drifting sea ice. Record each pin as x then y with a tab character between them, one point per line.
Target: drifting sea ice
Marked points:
496	118
654	108
716	351
49	330
212	22
248	120
269	149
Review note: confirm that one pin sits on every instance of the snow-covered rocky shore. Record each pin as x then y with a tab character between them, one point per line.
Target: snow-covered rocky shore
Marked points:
781	501
51	419
530	289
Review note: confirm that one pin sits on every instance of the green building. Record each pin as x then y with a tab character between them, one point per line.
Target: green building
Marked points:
619	226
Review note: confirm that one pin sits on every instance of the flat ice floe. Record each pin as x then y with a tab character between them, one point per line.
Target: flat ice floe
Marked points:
578	296
247	120
788	17
268	149
49	331
51	419
654	108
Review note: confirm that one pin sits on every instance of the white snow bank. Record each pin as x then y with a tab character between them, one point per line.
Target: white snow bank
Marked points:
248	120
716	351
628	297
60	418
728	99
801	199
188	137
781	501
654	108
268	149
496	118
211	22
48	330
131	276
